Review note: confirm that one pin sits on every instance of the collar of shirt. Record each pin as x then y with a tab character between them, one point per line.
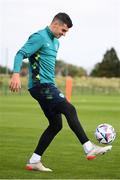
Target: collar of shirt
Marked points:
50	32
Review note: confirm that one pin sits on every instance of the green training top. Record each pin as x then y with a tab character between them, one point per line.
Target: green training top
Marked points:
41	50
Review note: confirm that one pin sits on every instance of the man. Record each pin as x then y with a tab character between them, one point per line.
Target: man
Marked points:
41	50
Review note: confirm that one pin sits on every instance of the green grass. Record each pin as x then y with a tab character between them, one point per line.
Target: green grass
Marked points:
22	122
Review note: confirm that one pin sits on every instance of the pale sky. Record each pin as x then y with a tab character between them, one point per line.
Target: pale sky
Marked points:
96	28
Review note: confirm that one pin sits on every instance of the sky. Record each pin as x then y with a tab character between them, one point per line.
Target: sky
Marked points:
96	28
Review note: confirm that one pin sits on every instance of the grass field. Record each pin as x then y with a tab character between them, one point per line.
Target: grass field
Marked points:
22	122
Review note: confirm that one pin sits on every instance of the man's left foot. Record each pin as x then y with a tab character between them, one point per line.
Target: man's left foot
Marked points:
97	150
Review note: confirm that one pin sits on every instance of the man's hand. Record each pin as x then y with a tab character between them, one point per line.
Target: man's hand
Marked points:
15	83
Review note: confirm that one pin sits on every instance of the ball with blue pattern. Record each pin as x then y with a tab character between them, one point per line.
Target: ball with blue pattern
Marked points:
105	133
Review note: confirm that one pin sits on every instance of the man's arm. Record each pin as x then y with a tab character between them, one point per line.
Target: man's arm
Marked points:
31	46
15	83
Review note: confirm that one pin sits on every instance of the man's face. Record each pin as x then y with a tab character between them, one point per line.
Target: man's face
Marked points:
60	29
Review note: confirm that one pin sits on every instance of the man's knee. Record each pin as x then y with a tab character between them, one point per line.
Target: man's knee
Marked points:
70	109
56	127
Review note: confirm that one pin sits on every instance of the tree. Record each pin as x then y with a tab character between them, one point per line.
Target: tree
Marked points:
109	67
64	69
5	70
76	71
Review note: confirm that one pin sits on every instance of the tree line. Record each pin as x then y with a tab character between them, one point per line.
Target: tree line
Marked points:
108	67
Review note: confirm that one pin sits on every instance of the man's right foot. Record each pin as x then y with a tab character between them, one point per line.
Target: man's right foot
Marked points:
97	150
37	166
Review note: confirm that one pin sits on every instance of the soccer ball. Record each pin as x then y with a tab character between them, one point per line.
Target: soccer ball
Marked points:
105	133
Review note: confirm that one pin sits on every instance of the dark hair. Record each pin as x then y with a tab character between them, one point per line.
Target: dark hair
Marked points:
64	18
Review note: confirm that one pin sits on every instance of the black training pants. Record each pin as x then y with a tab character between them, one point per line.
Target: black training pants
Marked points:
53	104
55	125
